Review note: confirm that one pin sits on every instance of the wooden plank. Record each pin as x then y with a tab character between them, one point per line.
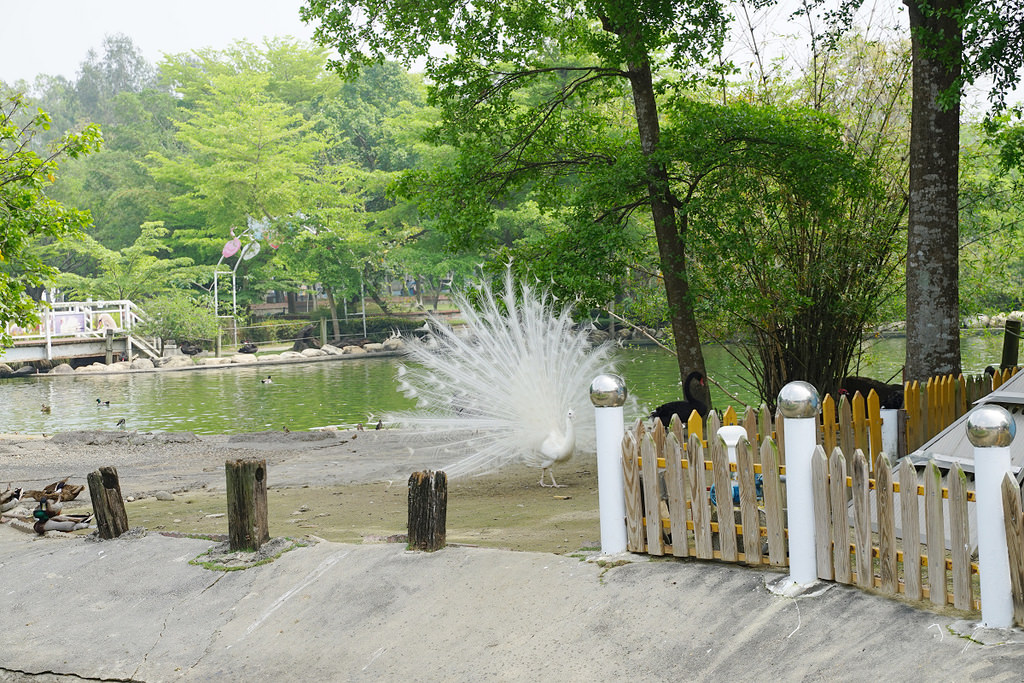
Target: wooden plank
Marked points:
675	482
901	434
631	482
860	425
658	432
713	423
751	425
649	483
862	521
846	430
909	518
935	537
749	516
729	417
873	417
912	406
829	424
677	427
699	507
840	520
960	390
723	494
885	505
1013	519
695	425
960	539
779	438
822	514
775	521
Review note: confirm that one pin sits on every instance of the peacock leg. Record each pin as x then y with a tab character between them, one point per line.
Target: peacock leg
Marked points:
553	484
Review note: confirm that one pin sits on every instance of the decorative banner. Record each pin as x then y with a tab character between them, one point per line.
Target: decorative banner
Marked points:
250	250
231	248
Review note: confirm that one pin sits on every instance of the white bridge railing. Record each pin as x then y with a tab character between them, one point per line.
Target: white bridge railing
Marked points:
84	320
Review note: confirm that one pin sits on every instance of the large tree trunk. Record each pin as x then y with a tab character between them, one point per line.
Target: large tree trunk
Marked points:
669	231
933	335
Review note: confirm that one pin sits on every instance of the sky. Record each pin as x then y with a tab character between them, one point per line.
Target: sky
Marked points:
54	37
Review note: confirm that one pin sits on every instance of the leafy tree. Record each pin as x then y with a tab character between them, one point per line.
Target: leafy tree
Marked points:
26	213
244	154
179	316
580	64
953	42
122	68
803	235
135	272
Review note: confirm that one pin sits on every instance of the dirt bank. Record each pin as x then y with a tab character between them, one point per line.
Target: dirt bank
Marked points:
340	486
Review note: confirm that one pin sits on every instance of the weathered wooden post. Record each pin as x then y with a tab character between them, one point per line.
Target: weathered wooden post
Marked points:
323	331
1011	344
108	345
428	510
107	503
247	504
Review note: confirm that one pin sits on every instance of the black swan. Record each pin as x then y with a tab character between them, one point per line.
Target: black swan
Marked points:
890	396
683	408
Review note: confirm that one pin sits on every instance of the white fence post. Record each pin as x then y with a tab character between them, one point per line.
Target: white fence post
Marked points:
991	429
800	404
608	394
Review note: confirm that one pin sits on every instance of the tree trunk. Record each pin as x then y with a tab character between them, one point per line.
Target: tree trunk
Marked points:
933	311
332	304
671	233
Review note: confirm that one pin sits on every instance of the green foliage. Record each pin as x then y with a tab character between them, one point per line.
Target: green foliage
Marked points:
27	215
803	238
135	272
179	316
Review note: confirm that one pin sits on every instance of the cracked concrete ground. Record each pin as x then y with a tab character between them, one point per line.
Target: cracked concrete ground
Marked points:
137	610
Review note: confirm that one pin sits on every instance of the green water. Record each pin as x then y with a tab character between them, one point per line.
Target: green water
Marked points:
344	392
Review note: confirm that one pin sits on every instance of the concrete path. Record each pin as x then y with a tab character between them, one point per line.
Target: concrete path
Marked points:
136	610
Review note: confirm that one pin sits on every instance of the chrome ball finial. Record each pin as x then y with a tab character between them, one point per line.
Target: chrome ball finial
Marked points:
799	399
991	426
608	391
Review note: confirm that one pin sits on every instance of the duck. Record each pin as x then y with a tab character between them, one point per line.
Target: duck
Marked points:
102	403
685	408
46	521
60	491
121	423
45	408
267	380
380	424
9	499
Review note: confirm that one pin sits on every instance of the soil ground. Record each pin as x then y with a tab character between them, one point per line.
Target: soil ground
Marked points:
331	485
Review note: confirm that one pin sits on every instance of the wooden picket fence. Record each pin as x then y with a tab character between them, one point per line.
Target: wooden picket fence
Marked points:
669	475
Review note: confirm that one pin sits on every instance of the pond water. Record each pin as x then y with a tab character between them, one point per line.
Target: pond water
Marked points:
228	400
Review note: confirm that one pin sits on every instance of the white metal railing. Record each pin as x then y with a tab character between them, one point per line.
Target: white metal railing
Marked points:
82	320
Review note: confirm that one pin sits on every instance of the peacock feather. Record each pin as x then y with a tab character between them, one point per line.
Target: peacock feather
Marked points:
504	385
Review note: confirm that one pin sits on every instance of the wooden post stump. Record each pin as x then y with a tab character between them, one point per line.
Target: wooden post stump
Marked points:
247	504
1011	344
428	510
107	503
108	345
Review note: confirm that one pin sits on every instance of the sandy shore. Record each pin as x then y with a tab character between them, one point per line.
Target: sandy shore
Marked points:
340	486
